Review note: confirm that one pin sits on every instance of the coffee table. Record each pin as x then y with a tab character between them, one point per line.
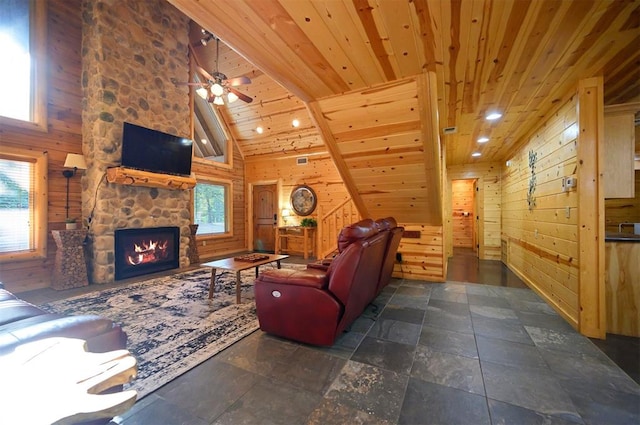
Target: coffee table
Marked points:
233	265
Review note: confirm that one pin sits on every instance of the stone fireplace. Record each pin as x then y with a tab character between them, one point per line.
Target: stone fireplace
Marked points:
130	52
144	251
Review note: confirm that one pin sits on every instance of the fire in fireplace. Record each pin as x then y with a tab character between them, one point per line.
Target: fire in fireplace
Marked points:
148	250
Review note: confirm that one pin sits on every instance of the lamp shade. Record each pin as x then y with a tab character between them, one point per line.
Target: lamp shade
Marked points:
286	213
75	160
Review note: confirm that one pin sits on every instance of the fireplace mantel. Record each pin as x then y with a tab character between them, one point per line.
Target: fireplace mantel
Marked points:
132	177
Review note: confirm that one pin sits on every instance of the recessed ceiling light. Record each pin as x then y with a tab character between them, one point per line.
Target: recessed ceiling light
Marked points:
259	130
493	116
483	139
203	141
476	154
295	123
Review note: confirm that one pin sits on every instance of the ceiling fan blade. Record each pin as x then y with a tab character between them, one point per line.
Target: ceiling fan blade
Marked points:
238	81
205	74
240	95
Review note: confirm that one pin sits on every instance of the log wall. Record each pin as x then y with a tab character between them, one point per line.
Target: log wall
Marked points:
423	257
64	135
541	231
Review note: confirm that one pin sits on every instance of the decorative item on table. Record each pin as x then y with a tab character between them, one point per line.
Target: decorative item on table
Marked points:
309	222
70	223
251	258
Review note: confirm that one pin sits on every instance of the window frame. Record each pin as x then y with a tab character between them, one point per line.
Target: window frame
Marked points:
228	207
38	51
40	204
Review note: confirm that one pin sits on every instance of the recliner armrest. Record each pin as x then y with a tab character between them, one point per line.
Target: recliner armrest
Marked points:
312	278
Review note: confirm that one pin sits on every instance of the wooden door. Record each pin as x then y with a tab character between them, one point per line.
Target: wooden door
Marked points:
265	210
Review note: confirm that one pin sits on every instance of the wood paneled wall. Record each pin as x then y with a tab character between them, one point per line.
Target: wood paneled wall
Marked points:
64	136
214	246
463	217
542	239
319	173
423	258
623	210
488	206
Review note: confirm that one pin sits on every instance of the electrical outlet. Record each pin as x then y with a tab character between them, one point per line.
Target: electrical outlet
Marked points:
204	243
535	233
567	212
399	257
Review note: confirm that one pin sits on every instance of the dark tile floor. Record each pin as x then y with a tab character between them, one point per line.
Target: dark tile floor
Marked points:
453	353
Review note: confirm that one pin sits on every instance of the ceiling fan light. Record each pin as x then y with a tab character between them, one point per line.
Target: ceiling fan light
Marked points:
231	97
202	92
218	101
217	90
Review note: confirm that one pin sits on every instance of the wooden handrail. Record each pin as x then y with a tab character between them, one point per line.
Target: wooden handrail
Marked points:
332	222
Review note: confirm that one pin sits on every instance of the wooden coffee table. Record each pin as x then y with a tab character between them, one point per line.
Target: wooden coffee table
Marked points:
233	265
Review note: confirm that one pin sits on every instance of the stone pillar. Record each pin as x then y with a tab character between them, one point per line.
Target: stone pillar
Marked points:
132	50
70	269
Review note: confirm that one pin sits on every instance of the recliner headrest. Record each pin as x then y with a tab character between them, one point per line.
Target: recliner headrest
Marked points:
386	223
356	231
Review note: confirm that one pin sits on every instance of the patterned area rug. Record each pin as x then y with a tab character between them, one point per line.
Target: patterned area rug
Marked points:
171	324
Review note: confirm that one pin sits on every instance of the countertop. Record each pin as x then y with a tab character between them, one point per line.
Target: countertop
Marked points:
621	237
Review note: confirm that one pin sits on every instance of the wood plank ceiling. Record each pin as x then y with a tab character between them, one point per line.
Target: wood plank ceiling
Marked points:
361	76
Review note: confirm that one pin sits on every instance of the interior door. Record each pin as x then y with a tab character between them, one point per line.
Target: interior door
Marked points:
265	210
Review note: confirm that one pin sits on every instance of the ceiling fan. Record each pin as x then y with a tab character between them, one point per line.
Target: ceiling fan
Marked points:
215	85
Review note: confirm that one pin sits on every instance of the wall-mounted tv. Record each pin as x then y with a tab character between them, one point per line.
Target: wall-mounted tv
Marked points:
155	151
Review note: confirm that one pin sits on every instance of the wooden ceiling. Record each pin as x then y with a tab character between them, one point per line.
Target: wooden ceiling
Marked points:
362	75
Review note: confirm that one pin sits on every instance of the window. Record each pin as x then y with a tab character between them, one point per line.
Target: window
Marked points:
23	204
212	141
212	207
23	45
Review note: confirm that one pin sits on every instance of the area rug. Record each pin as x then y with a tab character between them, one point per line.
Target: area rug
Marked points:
171	324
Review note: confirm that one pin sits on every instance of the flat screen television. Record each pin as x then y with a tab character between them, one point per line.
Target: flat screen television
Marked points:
155	151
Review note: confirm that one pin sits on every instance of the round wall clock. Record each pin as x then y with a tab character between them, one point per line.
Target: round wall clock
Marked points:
303	200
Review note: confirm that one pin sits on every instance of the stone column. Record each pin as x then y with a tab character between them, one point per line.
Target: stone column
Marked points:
70	269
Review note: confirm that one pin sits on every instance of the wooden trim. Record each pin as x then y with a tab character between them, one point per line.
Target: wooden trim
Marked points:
327	135
592	319
428	103
131	177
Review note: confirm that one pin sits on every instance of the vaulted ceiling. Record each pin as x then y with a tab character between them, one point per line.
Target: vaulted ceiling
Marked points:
376	82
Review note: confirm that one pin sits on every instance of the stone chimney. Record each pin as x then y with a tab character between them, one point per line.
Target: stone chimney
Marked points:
130	52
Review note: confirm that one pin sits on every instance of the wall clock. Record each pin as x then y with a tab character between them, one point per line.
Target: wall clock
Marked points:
303	200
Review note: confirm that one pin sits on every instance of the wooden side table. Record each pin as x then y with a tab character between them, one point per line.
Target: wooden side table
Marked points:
70	269
296	233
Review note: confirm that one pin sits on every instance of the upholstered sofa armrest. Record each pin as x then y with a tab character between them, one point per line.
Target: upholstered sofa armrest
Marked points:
311	278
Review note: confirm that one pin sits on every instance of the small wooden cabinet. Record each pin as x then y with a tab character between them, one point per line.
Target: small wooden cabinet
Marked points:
296	239
619	150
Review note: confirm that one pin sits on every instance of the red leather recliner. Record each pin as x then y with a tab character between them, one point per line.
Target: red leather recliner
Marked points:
314	306
393	242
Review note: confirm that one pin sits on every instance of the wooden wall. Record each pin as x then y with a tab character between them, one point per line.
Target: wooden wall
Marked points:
623	210
488	206
319	173
423	257
215	246
64	135
462	215
542	241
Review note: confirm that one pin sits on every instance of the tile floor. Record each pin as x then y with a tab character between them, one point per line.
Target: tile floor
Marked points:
454	353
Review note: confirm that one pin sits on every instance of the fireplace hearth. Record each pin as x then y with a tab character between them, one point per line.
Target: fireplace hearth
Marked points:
147	250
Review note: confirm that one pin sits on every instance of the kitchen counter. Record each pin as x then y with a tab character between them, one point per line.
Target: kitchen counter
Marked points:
621	237
622	284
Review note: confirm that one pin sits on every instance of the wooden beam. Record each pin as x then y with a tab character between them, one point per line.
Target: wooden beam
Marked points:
428	103
592	316
316	115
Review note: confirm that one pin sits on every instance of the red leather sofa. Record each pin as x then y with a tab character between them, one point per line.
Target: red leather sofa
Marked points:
317	304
